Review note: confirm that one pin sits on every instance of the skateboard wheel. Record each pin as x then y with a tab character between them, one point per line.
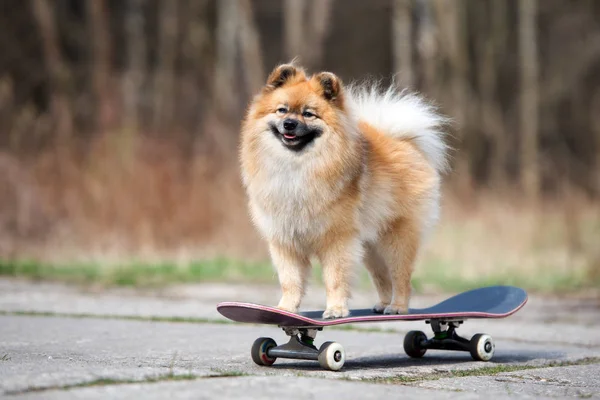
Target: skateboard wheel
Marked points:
332	356
260	350
482	347
412	344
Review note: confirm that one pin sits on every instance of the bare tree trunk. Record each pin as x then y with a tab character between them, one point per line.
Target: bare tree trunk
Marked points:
96	11
225	82
251	50
136	62
197	62
320	11
293	14
305	33
402	39
59	75
493	118
450	15
196	47
489	40
427	45
164	79
595	123
451	19
530	178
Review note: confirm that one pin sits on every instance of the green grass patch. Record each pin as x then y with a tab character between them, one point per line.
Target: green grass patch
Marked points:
484	371
141	274
221	373
430	274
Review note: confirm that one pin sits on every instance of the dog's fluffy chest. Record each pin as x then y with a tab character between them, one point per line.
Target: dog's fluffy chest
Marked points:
287	205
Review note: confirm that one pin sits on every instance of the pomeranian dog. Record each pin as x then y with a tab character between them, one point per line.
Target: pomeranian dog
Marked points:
348	175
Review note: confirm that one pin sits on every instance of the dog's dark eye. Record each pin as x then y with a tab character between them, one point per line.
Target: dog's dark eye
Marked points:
307	114
282	110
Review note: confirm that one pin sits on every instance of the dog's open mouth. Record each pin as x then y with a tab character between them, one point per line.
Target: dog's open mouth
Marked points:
293	141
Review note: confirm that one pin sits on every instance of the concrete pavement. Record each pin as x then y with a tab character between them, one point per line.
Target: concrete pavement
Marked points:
60	341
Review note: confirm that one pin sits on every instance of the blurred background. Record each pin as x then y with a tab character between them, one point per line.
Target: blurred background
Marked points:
119	124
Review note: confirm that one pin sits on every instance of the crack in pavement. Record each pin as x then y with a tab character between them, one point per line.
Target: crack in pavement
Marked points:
186	320
115	381
484	371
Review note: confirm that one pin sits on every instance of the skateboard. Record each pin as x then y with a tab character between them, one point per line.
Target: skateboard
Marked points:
444	318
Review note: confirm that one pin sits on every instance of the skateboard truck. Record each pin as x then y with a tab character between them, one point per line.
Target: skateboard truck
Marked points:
445	336
331	355
416	343
300	346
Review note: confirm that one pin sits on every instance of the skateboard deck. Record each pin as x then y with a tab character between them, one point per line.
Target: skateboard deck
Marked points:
488	302
444	318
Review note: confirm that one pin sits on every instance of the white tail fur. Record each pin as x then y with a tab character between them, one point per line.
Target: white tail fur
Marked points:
404	116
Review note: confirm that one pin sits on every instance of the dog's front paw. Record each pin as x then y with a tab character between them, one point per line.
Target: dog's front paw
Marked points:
379	307
396	309
336	312
288	309
288	306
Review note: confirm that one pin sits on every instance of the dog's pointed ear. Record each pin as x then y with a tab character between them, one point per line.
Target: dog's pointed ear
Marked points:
282	75
330	83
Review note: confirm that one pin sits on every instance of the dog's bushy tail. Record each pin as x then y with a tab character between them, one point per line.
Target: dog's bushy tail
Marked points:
404	116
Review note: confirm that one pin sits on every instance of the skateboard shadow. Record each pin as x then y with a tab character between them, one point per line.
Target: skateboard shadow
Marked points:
403	361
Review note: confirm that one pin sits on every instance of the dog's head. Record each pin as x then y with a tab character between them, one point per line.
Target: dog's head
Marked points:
296	111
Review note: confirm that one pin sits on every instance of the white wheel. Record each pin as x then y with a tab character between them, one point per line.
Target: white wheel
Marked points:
332	356
482	347
259	351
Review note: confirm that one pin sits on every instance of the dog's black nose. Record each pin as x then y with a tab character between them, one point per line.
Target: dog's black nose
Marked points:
290	124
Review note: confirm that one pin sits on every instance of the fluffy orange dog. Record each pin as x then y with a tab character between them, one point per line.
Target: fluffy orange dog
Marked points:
348	175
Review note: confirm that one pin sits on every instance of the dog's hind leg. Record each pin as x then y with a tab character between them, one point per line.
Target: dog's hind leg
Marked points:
380	275
399	247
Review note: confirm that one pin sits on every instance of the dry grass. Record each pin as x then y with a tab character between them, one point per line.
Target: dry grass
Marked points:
501	240
121	198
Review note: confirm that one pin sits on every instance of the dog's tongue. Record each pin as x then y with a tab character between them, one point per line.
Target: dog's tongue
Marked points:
289	136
